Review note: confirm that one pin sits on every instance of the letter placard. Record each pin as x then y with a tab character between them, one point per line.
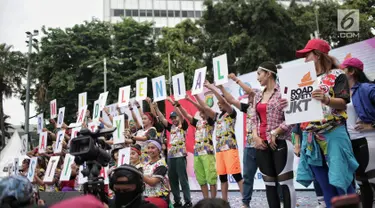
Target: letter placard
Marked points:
59	141
96	111
220	69
67	169
42	142
32	167
60	118
118	136
40	123
159	88
123	156
51	168
199	78
141	89
81	115
102	100
123	96
53	108
24	144
82	99
104	174
179	88
296	84
93	126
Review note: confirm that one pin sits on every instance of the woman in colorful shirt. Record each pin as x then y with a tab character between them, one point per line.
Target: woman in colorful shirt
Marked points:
155	176
326	151
272	139
135	155
177	154
204	158
361	126
227	156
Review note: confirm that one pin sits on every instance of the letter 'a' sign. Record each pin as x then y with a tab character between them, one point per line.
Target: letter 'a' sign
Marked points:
123	156
53	108
51	168
118	136
40	123
179	88
159	88
199	78
81	115
141	88
220	69
123	96
296	85
42	142
60	117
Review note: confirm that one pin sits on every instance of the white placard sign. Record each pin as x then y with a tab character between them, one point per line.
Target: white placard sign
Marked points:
53	108
81	115
96	111
123	96
93	126
123	156
51	168
24	144
32	167
296	85
82	99
102	100
179	88
198	82
59	141
118	136
60	117
75	132
104	174
159	88
16	166
141	89
40	123
67	169
42	142
220	69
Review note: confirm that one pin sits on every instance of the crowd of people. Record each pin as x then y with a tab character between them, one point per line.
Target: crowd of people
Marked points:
336	153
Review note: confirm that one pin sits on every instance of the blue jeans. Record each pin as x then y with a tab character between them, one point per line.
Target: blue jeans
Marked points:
249	169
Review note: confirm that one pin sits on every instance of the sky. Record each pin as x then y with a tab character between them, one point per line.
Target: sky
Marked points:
19	16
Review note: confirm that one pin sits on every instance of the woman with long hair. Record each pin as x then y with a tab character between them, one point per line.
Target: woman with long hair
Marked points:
326	150
274	154
361	126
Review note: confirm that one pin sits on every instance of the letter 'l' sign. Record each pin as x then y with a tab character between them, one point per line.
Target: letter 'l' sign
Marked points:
123	96
220	69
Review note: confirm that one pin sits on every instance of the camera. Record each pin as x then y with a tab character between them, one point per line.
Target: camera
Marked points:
88	148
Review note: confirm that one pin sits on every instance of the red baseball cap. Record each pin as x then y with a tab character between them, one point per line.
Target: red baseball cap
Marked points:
314	44
353	62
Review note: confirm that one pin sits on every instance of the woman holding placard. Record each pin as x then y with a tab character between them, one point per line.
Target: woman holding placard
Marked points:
361	126
326	150
271	135
155	176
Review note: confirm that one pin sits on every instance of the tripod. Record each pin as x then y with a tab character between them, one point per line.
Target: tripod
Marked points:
94	184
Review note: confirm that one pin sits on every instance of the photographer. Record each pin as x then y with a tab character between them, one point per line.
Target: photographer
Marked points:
127	183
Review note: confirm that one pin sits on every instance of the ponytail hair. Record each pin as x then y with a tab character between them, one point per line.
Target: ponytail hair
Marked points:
326	62
359	75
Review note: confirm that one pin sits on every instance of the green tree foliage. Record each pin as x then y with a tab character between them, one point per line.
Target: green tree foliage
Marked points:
12	70
65	55
185	44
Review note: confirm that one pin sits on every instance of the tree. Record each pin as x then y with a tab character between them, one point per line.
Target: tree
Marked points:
7	126
65	55
250	32
185	44
12	70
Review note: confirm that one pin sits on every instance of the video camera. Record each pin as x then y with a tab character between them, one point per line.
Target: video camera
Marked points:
88	148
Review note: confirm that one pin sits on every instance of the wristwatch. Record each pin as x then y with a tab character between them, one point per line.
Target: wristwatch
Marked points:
273	133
